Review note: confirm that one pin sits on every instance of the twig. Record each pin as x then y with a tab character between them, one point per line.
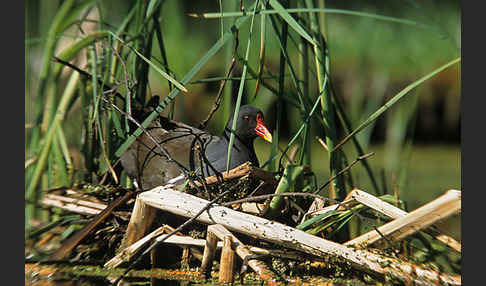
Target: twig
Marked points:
223	83
344	170
215	107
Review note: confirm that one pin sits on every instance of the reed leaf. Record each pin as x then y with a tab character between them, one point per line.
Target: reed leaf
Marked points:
67	96
153	65
291	21
315	10
240	92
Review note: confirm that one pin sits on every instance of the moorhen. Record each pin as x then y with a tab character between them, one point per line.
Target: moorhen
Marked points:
190	146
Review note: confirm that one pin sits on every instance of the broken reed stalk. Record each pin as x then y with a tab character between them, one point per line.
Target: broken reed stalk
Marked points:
209	253
420	218
183	204
220	232
227	262
140	221
243	170
72	205
180	240
187	241
128	252
395	212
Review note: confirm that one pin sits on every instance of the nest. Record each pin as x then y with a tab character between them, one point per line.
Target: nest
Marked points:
120	225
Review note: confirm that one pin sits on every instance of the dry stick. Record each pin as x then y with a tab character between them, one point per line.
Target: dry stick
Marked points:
75	205
318	203
395	213
183	204
184	240
218	97
227	261
245	169
244	253
80	202
223	83
179	240
128	252
142	215
438	209
208	206
345	169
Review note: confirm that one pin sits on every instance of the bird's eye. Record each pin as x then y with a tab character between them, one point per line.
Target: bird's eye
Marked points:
259	117
246	117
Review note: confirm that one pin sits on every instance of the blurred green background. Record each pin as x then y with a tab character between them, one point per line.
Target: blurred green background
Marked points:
417	141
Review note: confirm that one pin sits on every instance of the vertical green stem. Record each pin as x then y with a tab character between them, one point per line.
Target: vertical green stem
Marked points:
41	163
337	190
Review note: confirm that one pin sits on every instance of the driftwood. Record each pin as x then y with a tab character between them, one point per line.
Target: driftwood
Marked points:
73	205
187	205
396	213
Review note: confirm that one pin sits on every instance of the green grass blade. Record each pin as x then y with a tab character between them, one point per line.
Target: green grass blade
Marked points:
316	10
290	20
69	93
73	15
154	66
288	180
308	223
393	100
152	8
240	92
72	50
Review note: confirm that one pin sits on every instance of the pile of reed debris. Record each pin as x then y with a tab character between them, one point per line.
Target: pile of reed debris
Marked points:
244	232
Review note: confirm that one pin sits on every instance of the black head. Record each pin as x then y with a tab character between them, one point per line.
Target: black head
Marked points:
250	124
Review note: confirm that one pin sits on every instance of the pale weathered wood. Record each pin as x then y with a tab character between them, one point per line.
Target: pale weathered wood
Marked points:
243	170
422	217
209	253
227	262
179	240
76	201
128	252
243	252
395	213
71	207
187	205
139	224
